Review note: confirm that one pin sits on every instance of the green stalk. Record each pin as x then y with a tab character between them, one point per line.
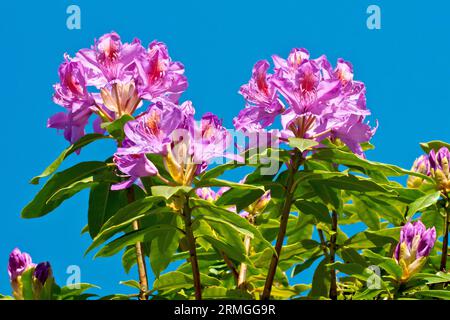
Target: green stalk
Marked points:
332	257
290	187
445	240
140	256
187	215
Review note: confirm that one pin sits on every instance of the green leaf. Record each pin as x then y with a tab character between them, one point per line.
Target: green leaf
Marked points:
440	294
373	239
224	183
72	292
115	128
351	160
369	217
423	203
239	197
242	231
328	195
353	183
129	258
176	280
167	191
392	268
131	283
207	209
27	284
222	246
302	144
433	145
103	203
66	183
217	292
164	245
321	281
125	216
318	210
143	235
83	141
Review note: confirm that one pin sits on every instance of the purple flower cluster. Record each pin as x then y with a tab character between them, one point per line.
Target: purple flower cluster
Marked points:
18	263
170	131
314	100
112	79
414	246
435	165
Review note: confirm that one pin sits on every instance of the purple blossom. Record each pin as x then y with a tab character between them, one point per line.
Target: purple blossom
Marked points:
209	194
18	263
322	102
414	246
134	166
421	165
109	60
159	76
169	130
42	272
263	104
72	94
111	79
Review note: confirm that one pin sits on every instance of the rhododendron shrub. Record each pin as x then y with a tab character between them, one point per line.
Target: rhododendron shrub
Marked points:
160	199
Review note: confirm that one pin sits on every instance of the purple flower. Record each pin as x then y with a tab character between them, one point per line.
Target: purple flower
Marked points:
169	130
322	102
263	104
18	263
111	79
439	168
134	166
109	60
421	165
159	76
72	94
414	247
42	272
209	194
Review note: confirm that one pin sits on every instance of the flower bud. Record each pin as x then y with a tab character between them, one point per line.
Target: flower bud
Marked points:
439	168
259	205
413	248
18	263
421	165
42	274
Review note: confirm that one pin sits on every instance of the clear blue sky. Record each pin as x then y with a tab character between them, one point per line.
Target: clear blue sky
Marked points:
405	65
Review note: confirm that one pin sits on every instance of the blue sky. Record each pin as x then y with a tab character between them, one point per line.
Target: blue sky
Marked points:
405	66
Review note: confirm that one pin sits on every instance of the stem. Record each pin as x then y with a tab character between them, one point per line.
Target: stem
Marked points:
230	266
445	240
243	270
323	243
332	257
192	249
296	162
140	257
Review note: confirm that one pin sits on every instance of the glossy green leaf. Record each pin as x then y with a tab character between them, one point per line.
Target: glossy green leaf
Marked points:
164	245
318	210
62	186
373	239
167	191
423	203
143	235
83	141
302	144
433	145
115	128
103	203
